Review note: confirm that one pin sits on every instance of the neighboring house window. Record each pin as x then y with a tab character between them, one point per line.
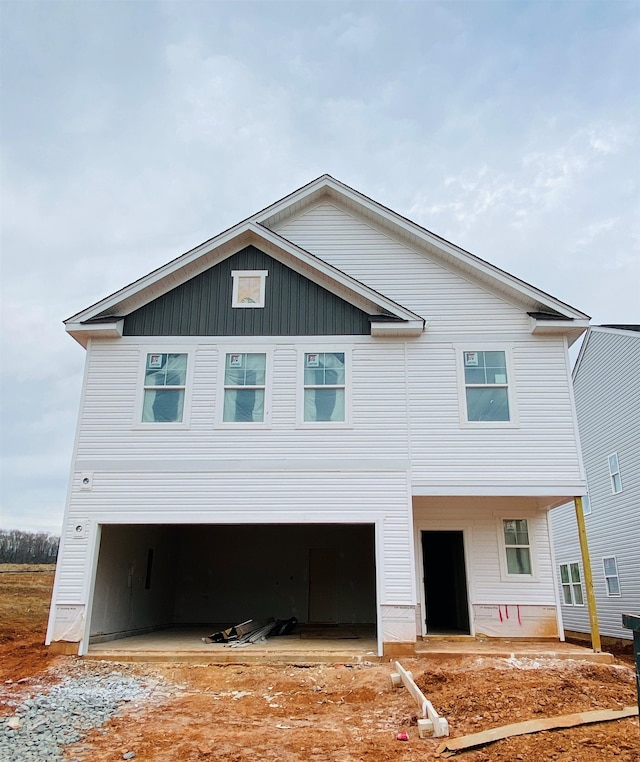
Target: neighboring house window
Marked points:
571	584
611	575
586	505
165	380
517	546
614	473
324	386
249	288
244	387
486	387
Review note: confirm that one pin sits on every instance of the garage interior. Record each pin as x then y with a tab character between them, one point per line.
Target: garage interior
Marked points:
182	582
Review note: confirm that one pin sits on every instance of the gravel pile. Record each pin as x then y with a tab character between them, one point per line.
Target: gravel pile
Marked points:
41	725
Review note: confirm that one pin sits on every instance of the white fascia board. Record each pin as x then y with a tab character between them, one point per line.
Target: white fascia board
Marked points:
393	219
82	332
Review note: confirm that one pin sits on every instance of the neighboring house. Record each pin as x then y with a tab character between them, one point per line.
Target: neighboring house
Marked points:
606	381
325	412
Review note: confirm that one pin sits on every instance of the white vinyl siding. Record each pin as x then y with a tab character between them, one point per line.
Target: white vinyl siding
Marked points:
384	423
450	301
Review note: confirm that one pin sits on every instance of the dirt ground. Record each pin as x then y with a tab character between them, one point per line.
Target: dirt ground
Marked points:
337	712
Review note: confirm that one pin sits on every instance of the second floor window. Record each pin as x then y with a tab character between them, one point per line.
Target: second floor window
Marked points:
165	380
324	386
486	388
244	387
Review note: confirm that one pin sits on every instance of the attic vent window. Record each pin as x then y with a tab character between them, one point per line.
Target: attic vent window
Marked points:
248	288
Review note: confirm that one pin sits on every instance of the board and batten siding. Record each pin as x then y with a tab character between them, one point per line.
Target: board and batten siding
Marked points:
202	306
607	394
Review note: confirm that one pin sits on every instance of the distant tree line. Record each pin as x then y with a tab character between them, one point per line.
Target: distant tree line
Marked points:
18	547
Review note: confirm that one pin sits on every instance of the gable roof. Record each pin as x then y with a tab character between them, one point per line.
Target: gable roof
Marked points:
547	314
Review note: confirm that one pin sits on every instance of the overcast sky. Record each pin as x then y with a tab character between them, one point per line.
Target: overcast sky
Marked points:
132	131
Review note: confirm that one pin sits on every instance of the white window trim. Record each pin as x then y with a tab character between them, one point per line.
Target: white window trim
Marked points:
504	573
613	474
611	576
571	584
586	504
300	422
160	348
239	348
237	275
472	346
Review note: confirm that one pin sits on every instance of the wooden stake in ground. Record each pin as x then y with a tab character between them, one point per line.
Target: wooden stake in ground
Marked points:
454	745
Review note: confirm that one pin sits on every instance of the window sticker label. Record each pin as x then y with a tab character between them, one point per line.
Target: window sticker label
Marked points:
470	358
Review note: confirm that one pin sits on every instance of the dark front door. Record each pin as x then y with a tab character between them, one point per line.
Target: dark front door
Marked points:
445	583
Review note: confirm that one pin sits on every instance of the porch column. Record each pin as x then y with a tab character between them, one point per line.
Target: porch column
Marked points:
588	577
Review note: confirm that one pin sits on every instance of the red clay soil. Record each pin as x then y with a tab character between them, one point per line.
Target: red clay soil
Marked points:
326	712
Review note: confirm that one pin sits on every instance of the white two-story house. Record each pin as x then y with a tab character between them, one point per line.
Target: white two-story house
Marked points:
325	412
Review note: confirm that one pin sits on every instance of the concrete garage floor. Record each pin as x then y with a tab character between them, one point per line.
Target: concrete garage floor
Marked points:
185	644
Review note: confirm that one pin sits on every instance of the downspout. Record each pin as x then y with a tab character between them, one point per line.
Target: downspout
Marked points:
588	577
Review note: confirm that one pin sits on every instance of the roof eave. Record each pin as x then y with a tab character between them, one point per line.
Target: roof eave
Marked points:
572	329
398	329
82	332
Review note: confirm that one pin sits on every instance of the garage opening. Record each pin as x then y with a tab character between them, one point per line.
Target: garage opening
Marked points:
150	578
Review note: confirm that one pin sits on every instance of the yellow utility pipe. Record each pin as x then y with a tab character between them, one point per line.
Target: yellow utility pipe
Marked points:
588	577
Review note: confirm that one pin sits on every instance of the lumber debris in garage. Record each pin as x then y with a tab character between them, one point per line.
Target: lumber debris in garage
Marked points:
453	745
430	724
252	631
237	631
